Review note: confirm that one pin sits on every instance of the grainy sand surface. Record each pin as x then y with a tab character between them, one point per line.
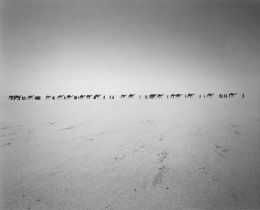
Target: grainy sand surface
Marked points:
130	154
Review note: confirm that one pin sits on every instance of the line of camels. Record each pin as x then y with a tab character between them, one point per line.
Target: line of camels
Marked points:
122	96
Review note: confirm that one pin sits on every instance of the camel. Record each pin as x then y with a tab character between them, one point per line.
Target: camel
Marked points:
231	95
60	96
160	95
37	97
88	96
96	96
123	96
151	96
18	97
178	95
81	96
131	95
48	97
69	96
190	95
30	97
209	95
11	97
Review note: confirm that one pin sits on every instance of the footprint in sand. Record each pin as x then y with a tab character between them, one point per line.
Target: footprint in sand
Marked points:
8	134
235	127
139	148
163	169
236	132
6	144
162	156
120	157
221	151
67	128
158	179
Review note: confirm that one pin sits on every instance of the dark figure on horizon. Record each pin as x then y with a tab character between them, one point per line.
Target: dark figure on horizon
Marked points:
243	95
96	96
88	96
131	95
61	96
231	95
69	96
209	95
152	96
82	96
123	96
30	97
11	97
160	95
190	95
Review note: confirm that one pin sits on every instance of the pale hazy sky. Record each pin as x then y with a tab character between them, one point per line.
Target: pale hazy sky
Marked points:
80	46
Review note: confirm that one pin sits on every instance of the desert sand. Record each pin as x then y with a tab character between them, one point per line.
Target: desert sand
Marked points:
130	154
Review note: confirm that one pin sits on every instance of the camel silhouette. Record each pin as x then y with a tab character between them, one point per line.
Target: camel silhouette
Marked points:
61	96
81	96
123	96
178	95
190	95
69	96
152	96
96	96
48	97
88	96
231	95
131	95
30	97
209	95
160	95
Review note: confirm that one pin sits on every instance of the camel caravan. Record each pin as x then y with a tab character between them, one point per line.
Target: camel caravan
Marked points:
122	96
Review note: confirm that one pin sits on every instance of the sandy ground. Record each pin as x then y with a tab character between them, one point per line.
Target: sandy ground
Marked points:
130	154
